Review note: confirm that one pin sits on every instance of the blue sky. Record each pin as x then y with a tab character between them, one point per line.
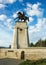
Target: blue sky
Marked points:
34	9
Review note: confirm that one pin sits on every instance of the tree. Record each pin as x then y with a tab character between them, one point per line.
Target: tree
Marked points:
41	43
9	46
31	45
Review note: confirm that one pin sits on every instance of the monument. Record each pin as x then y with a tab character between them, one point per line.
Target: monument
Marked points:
19	47
20	37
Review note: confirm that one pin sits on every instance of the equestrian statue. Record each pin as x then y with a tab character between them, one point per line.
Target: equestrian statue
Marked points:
21	16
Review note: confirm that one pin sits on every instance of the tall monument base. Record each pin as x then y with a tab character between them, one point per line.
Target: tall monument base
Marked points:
20	37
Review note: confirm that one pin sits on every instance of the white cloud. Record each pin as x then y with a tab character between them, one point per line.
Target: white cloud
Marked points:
5	28
2	6
34	10
9	20
7	1
29	5
6	22
5	38
38	30
31	19
11	1
3	17
36	6
39	26
14	15
41	23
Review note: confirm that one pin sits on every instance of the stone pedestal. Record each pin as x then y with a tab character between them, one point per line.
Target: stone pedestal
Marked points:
20	37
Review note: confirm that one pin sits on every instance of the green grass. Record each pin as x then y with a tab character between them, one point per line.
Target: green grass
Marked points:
38	62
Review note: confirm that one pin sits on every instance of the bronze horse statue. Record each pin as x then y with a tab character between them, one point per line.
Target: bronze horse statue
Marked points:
22	16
